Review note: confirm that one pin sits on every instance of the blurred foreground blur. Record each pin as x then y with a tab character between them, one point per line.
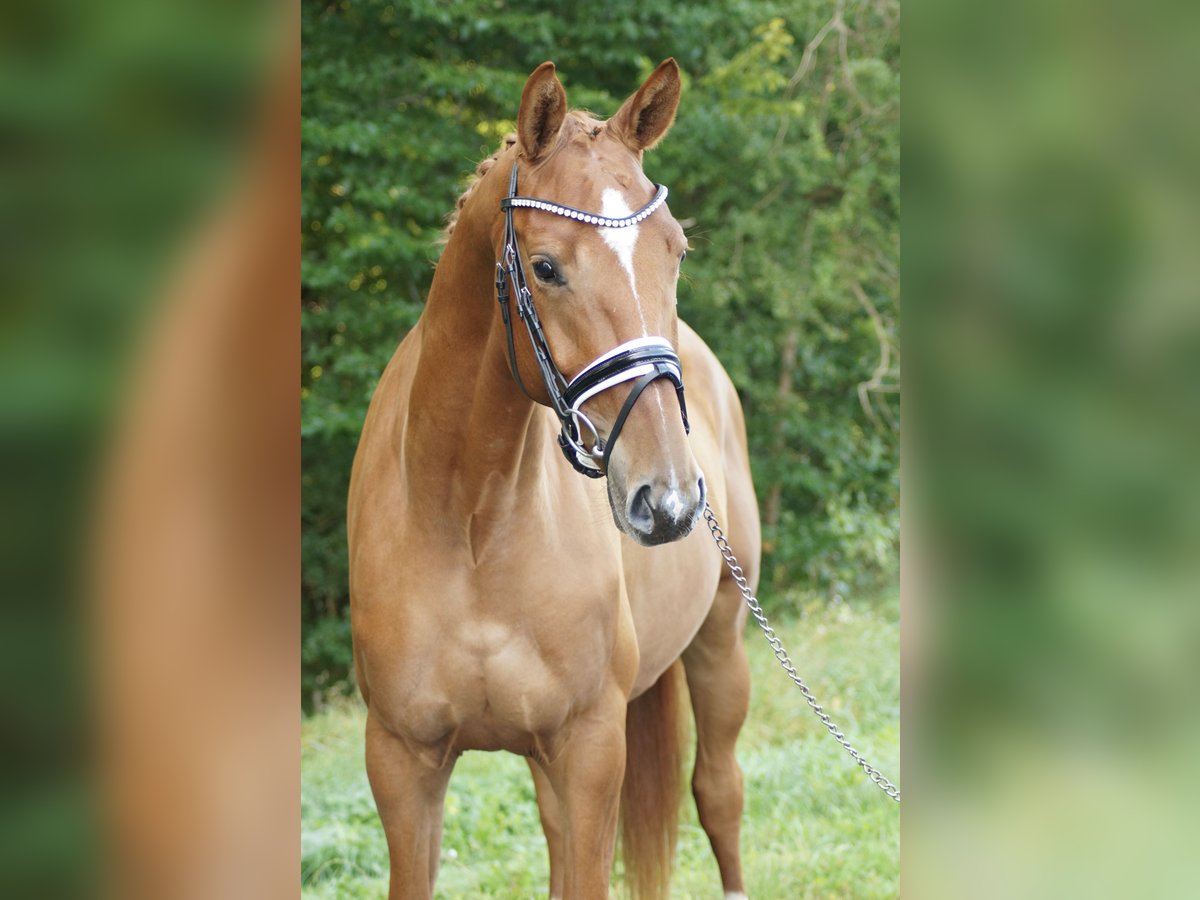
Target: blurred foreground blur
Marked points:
147	432
1051	618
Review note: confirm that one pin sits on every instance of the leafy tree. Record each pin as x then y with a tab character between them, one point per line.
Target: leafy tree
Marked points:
783	165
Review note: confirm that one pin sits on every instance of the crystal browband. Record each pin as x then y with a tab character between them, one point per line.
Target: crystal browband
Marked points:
570	212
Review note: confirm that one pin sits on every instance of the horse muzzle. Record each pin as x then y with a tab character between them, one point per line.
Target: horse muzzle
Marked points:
659	511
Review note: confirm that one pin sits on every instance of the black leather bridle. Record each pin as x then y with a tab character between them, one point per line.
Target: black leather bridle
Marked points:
641	360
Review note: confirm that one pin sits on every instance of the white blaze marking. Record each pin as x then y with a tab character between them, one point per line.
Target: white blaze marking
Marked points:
673	503
738	896
622	240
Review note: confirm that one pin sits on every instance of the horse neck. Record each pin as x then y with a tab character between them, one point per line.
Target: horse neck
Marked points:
469	424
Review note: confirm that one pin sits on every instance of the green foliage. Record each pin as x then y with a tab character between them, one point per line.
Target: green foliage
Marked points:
783	165
814	826
325	649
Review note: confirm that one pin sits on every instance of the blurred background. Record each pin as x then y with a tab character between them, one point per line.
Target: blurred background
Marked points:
147	215
1052	448
783	167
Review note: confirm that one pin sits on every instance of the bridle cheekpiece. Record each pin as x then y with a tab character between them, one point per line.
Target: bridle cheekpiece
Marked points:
641	360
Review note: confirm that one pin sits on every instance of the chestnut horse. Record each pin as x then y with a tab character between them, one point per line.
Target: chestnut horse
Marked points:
494	606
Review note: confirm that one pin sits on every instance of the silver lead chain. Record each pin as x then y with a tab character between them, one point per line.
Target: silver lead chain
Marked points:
784	660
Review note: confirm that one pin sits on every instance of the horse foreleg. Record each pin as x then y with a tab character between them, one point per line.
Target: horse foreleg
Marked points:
718	677
410	792
551	815
586	777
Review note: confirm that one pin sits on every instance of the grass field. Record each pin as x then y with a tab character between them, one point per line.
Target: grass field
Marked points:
814	825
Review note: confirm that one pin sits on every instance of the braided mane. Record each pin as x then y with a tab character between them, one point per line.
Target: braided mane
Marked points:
480	170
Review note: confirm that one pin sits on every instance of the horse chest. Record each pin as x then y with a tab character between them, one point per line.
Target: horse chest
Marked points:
485	683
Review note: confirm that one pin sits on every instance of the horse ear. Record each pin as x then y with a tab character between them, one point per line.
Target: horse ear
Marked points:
646	116
543	106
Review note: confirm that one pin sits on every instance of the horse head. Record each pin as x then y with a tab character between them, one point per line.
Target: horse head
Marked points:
601	275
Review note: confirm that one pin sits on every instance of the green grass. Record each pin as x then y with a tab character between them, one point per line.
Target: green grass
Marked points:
814	825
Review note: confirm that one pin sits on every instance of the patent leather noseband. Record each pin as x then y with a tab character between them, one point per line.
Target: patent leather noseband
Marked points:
641	360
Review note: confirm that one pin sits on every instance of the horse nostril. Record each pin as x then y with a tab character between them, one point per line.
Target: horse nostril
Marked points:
640	512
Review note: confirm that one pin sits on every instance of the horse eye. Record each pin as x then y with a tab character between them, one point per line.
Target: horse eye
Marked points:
544	270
